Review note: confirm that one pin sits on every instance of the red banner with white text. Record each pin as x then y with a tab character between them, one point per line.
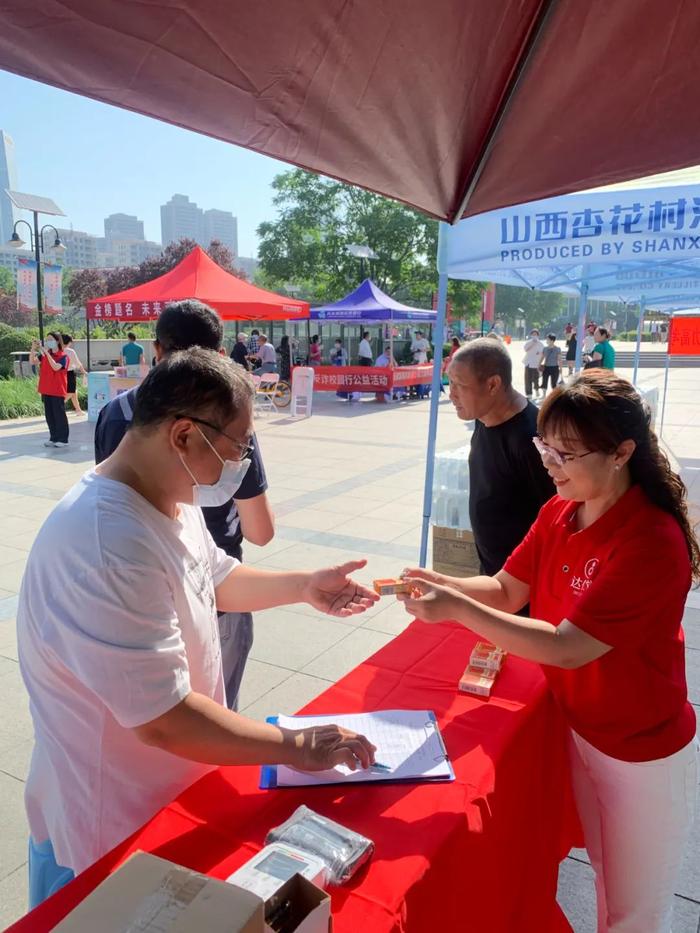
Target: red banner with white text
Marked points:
369	378
684	339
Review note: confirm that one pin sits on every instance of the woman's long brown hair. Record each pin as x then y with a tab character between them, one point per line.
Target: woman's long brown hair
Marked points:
601	410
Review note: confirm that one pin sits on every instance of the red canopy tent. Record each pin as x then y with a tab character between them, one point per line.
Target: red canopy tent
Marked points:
455	106
197	276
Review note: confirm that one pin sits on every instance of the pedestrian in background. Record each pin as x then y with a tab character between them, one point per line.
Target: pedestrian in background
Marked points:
53	386
239	354
285	356
364	351
571	345
551	363
315	351
532	359
74	366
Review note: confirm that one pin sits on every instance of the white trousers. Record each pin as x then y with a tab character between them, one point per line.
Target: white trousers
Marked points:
636	818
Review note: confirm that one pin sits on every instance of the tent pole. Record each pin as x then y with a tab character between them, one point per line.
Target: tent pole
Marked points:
87	329
581	325
439	339
668	361
639	339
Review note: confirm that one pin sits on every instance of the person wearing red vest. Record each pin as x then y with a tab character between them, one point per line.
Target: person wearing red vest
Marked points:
606	568
53	386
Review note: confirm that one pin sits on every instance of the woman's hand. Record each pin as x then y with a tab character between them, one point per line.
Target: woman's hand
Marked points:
430	602
333	591
320	748
422	573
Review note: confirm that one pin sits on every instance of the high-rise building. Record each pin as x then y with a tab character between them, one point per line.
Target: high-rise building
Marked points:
222	226
81	249
179	218
123	227
8	179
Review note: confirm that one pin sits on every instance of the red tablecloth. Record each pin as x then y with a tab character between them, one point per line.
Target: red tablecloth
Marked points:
480	853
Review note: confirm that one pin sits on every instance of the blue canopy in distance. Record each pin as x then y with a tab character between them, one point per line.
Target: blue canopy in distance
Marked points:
368	304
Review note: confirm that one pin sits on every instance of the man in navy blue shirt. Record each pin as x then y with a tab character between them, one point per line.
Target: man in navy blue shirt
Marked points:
248	515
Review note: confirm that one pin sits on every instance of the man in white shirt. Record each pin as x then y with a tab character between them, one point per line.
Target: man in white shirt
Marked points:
267	356
534	349
122	661
419	349
364	351
588	344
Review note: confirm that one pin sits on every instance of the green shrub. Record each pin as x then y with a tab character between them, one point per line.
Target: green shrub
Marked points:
13	339
631	335
19	399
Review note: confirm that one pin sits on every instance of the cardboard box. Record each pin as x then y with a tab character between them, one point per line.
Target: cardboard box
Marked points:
454	552
152	895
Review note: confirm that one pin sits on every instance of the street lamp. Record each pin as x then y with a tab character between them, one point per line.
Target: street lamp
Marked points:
37	205
358	251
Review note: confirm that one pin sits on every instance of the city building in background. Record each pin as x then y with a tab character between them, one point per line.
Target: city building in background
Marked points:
248	265
8	179
10	257
81	249
222	226
181	217
123	227
113	253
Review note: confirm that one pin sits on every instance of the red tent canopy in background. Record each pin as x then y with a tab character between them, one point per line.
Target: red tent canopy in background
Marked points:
454	106
197	276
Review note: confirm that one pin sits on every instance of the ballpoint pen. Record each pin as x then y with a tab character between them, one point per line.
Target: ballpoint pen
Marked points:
378	766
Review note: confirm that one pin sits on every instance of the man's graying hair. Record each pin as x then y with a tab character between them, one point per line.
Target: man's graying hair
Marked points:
486	358
193	382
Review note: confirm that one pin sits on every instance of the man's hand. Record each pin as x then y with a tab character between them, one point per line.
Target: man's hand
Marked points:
333	591
323	747
434	604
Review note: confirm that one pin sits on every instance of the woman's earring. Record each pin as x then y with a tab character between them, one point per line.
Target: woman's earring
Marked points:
617	466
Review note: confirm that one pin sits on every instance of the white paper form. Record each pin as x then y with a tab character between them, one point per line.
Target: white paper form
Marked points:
408	741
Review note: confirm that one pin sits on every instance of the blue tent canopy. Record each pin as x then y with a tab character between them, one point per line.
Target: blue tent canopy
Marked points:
368	304
621	244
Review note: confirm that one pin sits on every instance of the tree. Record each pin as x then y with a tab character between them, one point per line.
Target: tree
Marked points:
85	284
318	219
541	308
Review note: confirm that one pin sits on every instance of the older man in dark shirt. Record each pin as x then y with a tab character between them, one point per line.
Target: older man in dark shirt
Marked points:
508	483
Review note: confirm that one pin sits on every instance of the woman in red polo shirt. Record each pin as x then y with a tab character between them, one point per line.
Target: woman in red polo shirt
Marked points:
53	387
606	569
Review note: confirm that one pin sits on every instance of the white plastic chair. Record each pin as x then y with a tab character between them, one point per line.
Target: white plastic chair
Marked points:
265	388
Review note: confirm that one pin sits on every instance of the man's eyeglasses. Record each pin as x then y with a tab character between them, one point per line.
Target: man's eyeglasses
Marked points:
557	456
245	450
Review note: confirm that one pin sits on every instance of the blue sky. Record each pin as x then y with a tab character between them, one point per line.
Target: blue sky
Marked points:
95	160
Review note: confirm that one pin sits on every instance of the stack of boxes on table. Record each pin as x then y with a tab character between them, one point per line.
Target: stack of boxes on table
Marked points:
485	662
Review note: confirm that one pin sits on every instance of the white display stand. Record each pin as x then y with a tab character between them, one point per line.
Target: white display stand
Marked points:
302	391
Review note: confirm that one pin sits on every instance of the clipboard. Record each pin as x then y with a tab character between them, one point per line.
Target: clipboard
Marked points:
418	757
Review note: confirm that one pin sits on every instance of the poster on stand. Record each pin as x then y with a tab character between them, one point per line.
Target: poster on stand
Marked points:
26	285
53	288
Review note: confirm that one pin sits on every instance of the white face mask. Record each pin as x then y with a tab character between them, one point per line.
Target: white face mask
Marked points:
51	344
224	489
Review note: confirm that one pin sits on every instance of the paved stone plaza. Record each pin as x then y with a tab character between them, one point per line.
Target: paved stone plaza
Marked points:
345	483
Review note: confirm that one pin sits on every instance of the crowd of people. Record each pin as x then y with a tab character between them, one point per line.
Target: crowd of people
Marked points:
546	361
134	665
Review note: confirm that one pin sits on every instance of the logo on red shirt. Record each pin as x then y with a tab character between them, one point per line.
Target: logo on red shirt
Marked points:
591	567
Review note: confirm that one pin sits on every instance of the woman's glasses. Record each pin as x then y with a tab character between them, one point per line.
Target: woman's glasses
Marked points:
560	457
